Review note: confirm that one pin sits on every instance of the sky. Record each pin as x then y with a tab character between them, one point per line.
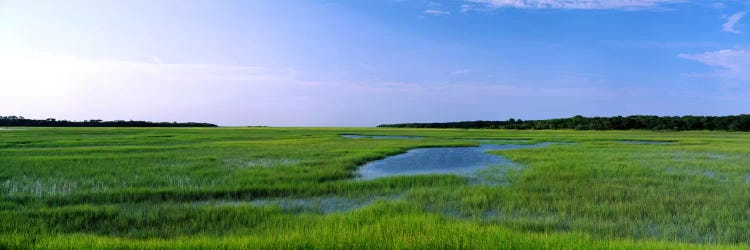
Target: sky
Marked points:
364	63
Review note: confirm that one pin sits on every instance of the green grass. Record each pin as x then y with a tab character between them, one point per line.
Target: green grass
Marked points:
190	188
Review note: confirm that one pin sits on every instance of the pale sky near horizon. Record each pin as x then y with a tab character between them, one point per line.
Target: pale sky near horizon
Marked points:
363	63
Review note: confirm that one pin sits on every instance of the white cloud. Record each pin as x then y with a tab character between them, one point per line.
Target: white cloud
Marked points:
573	4
731	64
731	21
44	85
156	59
40	85
433	4
437	12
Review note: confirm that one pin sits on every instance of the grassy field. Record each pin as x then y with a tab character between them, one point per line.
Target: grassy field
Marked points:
188	188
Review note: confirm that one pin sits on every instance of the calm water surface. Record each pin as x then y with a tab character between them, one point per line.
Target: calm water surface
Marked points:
445	160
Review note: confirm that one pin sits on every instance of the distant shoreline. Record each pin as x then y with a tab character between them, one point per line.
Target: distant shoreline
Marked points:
20	121
670	123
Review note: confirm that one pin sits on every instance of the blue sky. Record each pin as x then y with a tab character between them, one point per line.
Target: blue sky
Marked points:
362	63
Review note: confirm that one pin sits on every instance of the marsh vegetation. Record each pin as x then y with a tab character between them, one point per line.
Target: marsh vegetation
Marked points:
300	188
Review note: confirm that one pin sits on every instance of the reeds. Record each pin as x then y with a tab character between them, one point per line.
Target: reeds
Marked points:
132	188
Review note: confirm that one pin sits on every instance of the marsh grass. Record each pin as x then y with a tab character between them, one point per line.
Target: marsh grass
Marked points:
132	188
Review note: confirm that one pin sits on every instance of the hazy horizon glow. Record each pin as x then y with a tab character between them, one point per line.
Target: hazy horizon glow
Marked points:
363	63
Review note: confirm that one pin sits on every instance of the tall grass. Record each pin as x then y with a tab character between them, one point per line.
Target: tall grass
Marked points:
153	187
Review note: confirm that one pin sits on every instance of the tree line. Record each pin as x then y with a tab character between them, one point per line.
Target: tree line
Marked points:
20	121
645	122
